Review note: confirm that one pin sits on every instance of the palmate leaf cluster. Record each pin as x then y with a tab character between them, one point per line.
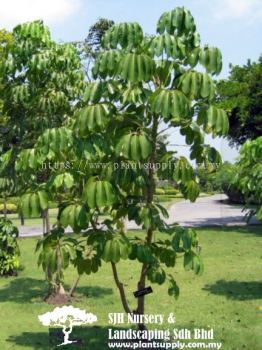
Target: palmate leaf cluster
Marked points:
110	144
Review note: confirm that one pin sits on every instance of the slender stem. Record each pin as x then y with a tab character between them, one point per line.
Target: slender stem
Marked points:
119	284
44	222
47	221
5	207
59	268
74	286
161	131
150	231
121	289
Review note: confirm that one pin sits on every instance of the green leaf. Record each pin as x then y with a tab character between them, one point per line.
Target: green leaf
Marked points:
43	199
99	193
192	190
135	146
156	275
171	104
32	204
168	45
136	67
193	57
178	21
93	118
183	171
127	35
196	85
173	289
76	216
211	59
107	64
214	120
35	30
93	92
134	93
167	257
188	260
55	141
63	180
115	249
28	158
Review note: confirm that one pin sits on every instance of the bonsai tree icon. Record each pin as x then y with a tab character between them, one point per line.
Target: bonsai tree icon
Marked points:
66	317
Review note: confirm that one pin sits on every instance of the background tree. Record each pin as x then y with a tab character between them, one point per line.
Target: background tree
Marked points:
112	144
240	95
226	181
40	81
249	176
5	42
90	47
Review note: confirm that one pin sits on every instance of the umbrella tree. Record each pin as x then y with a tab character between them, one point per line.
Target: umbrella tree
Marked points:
113	156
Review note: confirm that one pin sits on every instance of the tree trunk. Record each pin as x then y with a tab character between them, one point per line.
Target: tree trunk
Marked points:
121	289
149	237
5	208
44	221
59	286
22	219
74	286
150	197
47	221
60	289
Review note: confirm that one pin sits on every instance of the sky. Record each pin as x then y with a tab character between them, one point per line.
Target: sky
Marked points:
232	25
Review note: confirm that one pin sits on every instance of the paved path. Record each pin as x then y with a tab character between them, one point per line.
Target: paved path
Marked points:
206	211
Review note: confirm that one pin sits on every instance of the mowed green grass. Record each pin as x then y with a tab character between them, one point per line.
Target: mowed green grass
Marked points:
227	297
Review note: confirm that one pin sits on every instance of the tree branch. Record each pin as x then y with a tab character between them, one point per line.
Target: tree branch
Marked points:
74	286
161	131
120	287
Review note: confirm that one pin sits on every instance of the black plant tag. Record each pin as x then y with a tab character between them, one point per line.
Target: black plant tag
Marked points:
142	292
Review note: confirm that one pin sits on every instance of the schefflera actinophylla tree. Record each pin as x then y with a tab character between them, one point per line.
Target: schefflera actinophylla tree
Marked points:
140	83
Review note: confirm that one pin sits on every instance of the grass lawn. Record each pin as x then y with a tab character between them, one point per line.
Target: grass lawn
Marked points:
227	297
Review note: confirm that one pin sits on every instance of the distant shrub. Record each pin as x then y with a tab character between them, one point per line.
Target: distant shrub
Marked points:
10	200
171	191
10	208
160	191
226	181
9	249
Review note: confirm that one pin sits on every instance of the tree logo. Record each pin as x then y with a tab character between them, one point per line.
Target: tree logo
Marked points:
66	317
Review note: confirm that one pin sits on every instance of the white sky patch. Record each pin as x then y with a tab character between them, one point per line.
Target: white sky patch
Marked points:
13	12
249	10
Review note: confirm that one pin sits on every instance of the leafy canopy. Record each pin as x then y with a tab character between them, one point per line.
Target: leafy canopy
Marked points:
40	81
113	149
240	95
249	177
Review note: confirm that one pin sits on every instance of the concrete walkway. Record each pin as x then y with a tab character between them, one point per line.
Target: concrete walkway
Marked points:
206	211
